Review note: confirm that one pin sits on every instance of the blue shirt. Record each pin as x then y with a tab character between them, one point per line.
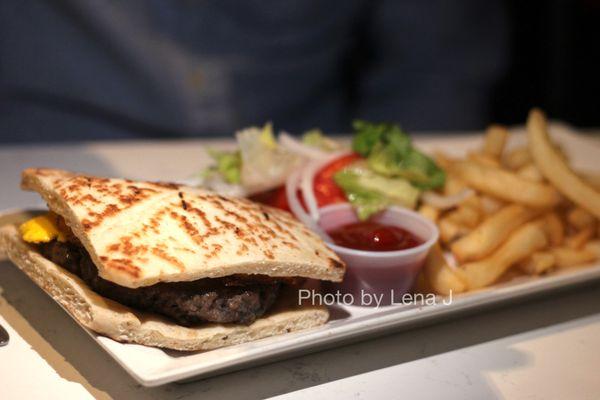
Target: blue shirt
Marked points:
92	69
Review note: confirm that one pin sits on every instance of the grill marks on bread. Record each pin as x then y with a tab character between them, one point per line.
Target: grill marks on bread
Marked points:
122	194
140	233
247	231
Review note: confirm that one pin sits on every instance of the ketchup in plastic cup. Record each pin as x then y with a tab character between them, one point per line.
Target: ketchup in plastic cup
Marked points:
385	274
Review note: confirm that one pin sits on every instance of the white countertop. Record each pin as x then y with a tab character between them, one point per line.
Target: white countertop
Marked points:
544	348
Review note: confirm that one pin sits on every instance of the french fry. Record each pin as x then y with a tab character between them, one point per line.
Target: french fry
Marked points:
440	276
531	173
465	215
529	210
580	219
554	228
594	247
567	257
488	236
483	159
592	178
538	263
443	160
490	205
555	169
495	139
512	273
506	185
580	239
453	186
517	158
526	240
560	152
429	212
473	201
450	230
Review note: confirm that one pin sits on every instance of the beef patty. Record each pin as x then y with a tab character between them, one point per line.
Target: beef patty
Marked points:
237	299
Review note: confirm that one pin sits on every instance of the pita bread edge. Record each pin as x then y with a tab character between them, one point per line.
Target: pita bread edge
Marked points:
124	324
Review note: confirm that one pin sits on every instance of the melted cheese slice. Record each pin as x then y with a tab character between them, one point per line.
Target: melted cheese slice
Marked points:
42	229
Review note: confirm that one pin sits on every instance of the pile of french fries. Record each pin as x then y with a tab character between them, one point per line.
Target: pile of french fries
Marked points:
528	213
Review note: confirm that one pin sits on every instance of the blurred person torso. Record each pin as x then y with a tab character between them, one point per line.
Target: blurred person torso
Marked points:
91	69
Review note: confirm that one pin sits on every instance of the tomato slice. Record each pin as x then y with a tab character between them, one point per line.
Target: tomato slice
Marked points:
275	198
326	190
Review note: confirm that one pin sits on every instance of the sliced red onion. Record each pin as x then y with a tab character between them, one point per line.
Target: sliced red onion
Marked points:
307	180
291	191
440	202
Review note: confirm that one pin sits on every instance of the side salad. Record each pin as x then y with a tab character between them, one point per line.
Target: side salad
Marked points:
381	168
262	162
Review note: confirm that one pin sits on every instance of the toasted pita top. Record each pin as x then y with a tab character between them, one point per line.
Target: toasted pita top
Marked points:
141	233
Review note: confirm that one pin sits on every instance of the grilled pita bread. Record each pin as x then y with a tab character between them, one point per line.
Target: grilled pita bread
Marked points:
141	233
124	324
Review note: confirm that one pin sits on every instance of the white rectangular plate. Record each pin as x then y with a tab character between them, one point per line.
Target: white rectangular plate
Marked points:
153	366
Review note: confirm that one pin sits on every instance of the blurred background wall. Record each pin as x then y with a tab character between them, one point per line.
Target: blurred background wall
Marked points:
89	69
554	53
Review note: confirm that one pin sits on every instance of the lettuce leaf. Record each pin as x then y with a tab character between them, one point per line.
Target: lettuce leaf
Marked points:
264	164
370	193
390	152
228	165
316	138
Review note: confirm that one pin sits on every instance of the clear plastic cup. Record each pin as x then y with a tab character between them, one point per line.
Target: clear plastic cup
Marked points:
385	274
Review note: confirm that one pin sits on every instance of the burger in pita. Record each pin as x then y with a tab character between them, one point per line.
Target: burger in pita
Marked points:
167	265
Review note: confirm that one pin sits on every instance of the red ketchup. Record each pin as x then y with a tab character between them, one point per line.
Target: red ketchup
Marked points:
373	236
